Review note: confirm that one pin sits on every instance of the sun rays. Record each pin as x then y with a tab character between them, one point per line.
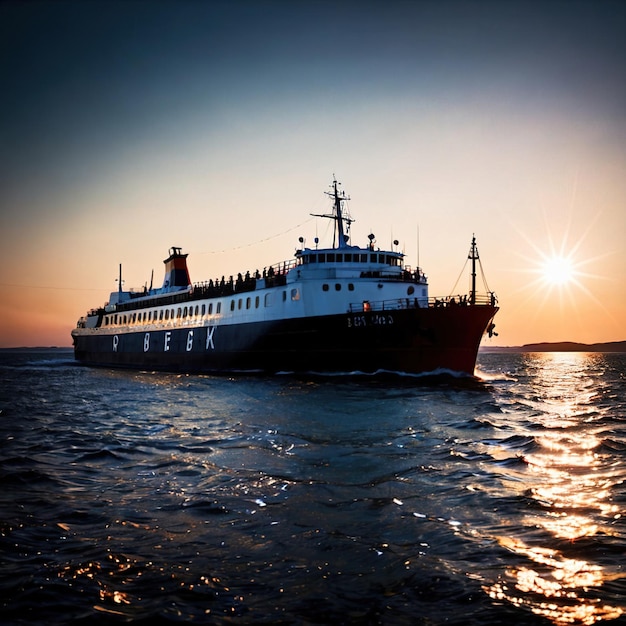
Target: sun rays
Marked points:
558	268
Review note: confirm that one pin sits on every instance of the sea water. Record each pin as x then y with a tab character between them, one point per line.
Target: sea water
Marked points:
149	497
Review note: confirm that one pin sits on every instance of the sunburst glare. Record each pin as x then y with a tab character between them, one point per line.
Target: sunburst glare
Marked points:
558	270
557	267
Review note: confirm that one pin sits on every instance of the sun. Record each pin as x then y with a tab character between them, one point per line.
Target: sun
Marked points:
558	270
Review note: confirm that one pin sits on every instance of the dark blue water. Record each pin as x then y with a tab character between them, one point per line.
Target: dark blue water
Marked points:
145	497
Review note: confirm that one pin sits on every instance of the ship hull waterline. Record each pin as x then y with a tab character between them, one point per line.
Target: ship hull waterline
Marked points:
411	341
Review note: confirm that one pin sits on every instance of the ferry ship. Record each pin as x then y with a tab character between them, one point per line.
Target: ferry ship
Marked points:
345	308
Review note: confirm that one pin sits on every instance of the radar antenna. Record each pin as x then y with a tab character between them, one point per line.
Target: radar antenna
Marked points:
340	235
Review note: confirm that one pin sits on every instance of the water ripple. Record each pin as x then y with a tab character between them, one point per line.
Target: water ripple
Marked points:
164	498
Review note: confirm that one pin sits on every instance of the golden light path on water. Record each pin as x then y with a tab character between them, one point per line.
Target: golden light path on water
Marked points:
571	486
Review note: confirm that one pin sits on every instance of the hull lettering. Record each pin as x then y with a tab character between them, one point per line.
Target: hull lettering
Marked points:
168	336
358	321
209	338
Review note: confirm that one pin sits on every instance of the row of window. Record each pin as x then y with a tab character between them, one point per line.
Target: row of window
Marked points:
326	287
352	257
162	315
199	311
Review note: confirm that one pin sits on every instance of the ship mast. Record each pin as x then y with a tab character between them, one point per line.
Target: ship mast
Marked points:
340	237
473	256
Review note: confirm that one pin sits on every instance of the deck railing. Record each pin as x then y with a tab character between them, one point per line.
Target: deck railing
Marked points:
397	304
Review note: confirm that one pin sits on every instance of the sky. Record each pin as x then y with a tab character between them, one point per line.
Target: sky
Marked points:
127	128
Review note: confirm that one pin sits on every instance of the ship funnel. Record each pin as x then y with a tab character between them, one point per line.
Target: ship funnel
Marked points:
176	272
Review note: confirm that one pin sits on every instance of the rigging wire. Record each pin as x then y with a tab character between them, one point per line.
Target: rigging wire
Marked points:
53	287
453	290
482	274
257	242
249	245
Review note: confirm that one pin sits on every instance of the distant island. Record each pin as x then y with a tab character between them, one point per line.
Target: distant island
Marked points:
561	346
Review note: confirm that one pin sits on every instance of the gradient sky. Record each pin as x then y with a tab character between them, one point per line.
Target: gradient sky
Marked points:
127	128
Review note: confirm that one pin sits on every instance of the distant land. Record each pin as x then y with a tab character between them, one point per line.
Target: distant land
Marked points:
561	346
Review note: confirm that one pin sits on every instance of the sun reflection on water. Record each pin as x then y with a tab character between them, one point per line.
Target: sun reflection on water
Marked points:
570	484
